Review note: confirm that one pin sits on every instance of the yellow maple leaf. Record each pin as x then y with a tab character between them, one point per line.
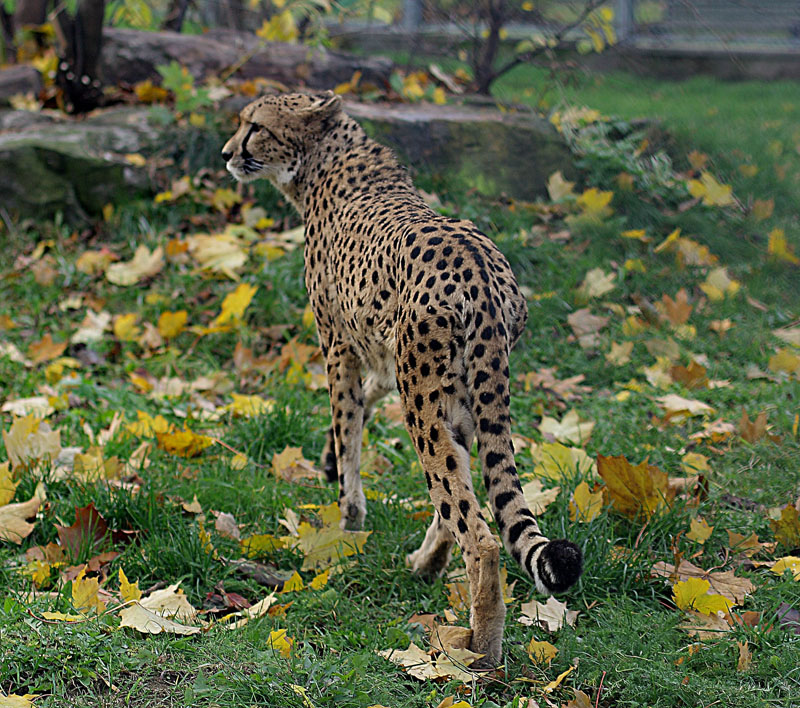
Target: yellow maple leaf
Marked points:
699	530
261	544
84	594
718	284
278	641
128	590
596	283
634	491
289	464
711	191
585	504
595	203
235	303
320	581
541	652
787	527
280	27
558	188
570	429
636	234
785	361
220	253
125	328
183	443
779	247
30	440
555	461
148	426
791	563
171	324
248	406
693	594
7	484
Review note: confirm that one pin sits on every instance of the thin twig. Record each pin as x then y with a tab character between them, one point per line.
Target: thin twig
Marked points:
599	690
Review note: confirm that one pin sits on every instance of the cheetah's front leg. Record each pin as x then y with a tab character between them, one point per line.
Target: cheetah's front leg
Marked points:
347	420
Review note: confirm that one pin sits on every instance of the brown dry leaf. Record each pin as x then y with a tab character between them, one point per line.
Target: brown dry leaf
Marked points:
586	327
226	526
144	264
88	531
720	326
704	626
569	389
448	637
148	622
677	311
261	608
745	656
747	545
634	491
787	527
458	595
753	430
714	431
596	283
789	335
550	616
724	583
46	349
14	526
581	700
693	376
420	664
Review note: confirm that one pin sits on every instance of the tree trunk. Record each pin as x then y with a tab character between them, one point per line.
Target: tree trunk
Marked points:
30	12
485	57
80	42
7	36
175	15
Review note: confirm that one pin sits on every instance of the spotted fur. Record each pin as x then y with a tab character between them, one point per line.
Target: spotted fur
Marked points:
416	300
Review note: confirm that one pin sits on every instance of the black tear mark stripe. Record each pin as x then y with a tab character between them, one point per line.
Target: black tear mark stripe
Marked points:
245	154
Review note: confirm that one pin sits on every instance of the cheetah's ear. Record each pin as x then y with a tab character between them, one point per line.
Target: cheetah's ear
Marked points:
324	106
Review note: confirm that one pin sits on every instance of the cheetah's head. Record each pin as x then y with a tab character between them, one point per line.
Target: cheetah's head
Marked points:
274	134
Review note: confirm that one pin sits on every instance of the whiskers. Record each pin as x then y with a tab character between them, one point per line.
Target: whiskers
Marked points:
251	165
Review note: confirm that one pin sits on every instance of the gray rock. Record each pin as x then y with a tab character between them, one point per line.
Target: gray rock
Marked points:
131	56
470	147
19	79
50	163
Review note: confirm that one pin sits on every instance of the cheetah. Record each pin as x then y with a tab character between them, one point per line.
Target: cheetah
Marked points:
416	301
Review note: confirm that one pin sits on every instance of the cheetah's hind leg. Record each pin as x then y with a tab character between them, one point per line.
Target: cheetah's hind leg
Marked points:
433	556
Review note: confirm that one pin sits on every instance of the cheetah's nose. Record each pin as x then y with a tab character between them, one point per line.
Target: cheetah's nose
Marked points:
226	155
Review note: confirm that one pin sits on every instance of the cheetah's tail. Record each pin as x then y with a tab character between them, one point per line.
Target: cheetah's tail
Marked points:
555	565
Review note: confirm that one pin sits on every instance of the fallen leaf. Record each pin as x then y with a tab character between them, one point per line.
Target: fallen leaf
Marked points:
449	637
789	335
711	191
92	328
86	533
718	284
14	526
261	544
692	594
128	591
31	440
253	612
235	304
169	602
46	349
227	527
699	530
692	376
677	311
7	484
679	407
570	429
219	253
787	527
596	283
753	430
779	247
714	431
586	327
725	583
634	491
290	465
541	652
537	498
585	504
558	188
747	545
789	618
144	264
183	443
550	616
790	563
580	700
325	546
785	361
745	660
171	324
554	461
556	682
620	354
279	642
85	594
703	626
148	622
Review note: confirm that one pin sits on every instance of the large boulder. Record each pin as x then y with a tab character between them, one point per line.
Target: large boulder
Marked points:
50	163
470	147
131	56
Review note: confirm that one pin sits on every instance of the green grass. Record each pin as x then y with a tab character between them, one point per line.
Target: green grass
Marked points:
627	635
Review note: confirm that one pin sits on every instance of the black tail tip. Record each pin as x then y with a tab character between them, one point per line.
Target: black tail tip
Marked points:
560	565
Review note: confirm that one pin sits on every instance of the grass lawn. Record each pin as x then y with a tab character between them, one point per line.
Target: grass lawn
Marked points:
128	359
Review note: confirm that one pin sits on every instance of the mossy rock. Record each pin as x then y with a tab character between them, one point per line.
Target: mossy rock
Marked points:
495	153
